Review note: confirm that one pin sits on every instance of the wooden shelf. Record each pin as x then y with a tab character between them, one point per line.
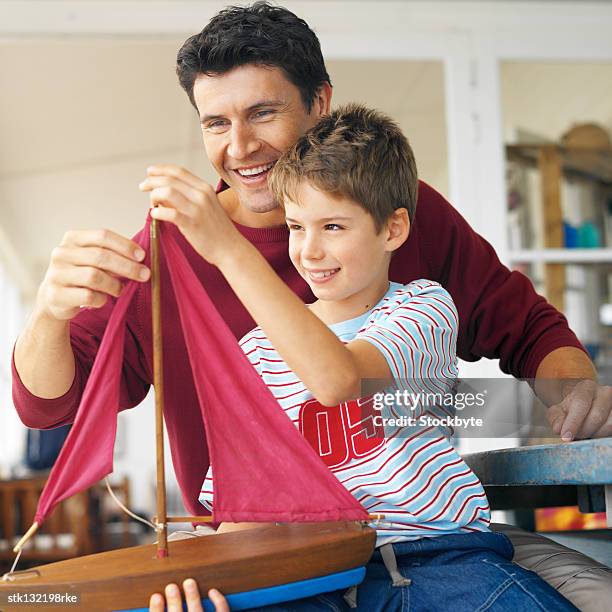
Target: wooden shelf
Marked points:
562	256
594	164
553	162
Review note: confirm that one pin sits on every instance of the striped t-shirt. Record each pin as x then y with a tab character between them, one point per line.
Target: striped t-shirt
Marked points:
412	475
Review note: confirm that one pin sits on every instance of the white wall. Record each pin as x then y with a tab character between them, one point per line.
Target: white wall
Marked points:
12	433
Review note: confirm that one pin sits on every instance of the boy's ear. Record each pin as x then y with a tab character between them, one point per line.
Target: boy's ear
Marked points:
398	228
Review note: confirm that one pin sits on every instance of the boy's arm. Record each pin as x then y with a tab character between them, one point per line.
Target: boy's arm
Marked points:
331	370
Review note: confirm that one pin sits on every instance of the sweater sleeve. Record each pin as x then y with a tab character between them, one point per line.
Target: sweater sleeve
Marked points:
500	314
86	331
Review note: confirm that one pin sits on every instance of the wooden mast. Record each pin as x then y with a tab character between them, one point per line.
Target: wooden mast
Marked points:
158	383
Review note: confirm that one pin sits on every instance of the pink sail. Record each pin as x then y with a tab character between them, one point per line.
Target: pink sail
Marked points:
264	470
87	454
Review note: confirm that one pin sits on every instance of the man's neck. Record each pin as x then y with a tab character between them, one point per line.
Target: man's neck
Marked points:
241	215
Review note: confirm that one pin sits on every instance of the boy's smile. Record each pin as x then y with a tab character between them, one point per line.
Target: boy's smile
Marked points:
321	276
334	245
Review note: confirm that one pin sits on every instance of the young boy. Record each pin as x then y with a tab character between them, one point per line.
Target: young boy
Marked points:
349	192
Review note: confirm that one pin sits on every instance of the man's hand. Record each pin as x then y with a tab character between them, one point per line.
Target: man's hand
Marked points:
585	412
579	407
192	599
85	269
181	198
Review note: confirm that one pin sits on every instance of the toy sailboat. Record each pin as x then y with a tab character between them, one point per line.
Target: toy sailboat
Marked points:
318	540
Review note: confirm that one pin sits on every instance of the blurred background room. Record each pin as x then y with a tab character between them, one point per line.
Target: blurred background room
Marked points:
508	106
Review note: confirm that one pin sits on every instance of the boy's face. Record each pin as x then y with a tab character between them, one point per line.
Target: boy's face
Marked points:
334	245
250	116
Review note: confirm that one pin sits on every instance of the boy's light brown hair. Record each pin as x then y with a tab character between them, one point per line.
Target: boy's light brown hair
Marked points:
355	152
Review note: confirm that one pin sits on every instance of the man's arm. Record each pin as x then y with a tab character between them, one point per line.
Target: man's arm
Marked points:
43	356
83	271
501	316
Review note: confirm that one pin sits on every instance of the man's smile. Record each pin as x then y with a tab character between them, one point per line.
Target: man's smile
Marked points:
253	174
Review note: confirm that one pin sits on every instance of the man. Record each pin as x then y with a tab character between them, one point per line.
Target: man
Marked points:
258	81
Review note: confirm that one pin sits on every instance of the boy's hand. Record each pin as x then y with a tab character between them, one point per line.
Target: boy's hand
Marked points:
192	599
190	203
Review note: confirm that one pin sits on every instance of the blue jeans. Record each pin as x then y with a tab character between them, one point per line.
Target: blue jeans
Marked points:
454	572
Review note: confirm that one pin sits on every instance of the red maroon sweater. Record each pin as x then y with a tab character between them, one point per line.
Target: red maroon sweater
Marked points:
500	316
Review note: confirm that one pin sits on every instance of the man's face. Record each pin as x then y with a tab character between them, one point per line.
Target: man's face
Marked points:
250	116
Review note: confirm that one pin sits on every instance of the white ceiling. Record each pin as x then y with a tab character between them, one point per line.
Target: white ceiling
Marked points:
81	118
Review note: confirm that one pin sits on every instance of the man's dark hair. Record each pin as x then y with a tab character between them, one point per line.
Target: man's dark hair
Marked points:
355	152
259	34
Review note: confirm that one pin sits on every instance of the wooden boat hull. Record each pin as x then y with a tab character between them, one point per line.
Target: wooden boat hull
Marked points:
231	562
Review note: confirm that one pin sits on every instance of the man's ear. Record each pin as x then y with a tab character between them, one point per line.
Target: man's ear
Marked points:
321	104
398	228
